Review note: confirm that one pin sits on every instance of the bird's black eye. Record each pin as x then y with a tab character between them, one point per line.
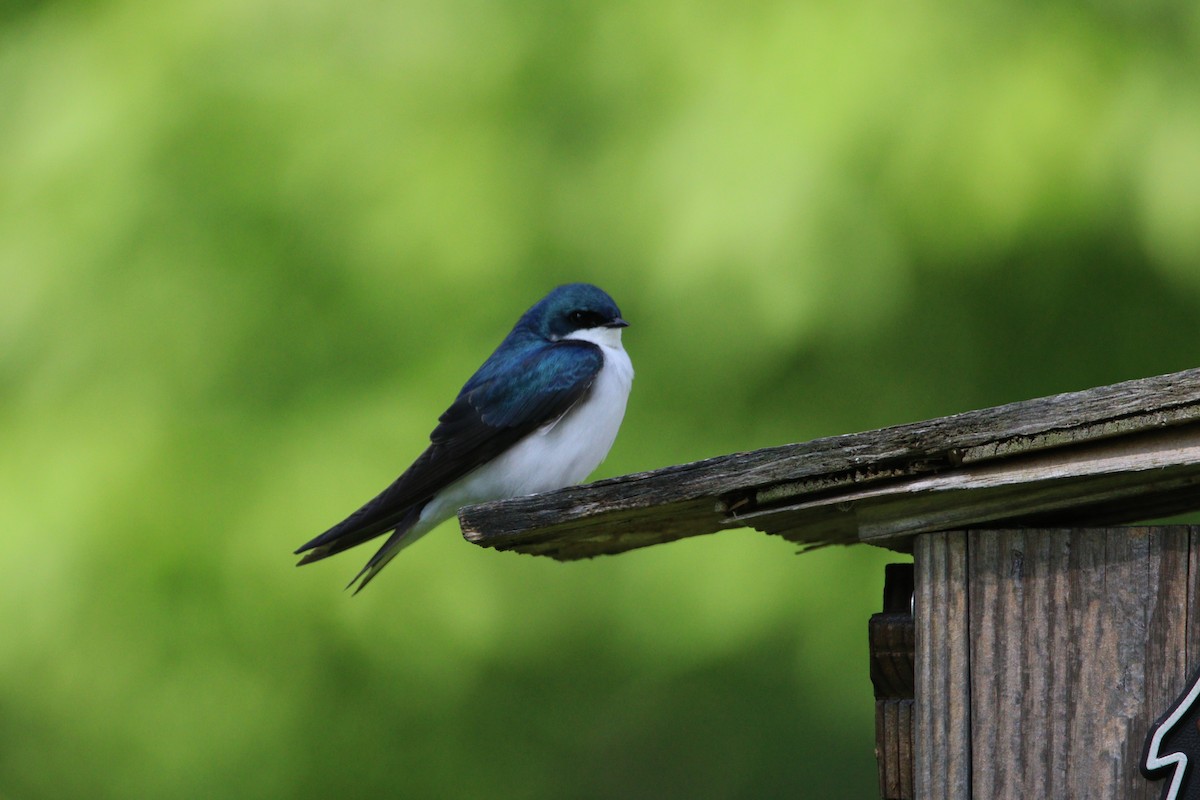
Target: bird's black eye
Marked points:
584	319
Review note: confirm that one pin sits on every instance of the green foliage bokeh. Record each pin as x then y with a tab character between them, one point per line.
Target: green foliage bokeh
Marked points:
249	250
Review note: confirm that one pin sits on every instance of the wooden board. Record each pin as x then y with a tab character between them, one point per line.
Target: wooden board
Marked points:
1117	453
1043	657
942	750
891	638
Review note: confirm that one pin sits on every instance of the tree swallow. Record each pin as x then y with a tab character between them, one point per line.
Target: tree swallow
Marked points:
540	414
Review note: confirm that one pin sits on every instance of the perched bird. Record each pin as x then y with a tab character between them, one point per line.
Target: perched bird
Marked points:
540	414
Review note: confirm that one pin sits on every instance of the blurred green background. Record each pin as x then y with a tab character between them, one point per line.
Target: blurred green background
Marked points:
250	249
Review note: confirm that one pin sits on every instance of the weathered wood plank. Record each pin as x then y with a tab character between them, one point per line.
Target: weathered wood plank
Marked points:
905	739
1077	642
893	744
1146	474
892	641
1191	612
1078	449
1171	634
942	747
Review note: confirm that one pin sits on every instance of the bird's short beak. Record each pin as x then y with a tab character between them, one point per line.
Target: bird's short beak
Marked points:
616	323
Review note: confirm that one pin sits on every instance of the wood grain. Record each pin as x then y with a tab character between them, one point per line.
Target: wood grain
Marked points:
893	748
1116	453
892	643
942	746
1078	640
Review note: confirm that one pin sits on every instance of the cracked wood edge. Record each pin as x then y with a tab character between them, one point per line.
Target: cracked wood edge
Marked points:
1152	473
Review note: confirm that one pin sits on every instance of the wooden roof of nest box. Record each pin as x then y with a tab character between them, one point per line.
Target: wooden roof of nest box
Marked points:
1114	454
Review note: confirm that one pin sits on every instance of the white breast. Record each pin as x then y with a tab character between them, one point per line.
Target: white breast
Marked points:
560	453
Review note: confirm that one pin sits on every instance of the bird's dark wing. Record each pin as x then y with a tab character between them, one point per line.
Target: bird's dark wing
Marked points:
504	401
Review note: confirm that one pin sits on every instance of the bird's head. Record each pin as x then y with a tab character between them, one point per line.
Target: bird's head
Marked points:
577	311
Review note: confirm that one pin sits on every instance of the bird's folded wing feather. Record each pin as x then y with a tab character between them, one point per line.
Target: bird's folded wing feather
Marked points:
497	407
